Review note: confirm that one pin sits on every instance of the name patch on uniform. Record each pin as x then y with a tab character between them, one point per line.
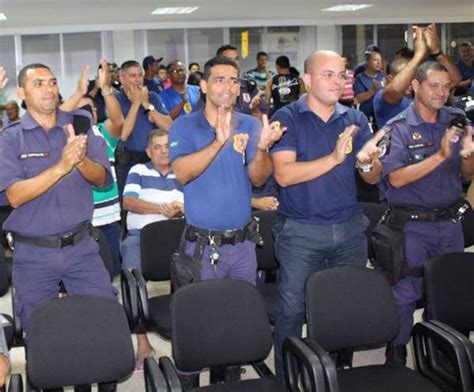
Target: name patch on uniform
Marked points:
34	155
419	145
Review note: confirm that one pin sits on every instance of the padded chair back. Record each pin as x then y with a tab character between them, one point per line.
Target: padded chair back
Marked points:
266	254
158	242
78	340
4	283
468	229
373	211
218	322
450	290
350	308
104	251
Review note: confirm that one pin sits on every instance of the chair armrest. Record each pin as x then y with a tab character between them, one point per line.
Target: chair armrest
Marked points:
15	384
468	345
143	310
171	375
154	378
430	341
299	357
329	367
128	285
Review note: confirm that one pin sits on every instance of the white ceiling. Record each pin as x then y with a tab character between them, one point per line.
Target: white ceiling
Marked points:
31	16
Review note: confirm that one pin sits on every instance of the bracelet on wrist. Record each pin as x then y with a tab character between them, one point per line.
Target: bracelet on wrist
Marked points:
107	93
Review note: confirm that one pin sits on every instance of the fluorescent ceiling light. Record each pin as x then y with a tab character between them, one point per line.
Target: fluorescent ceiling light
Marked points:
174	10
3	16
347	7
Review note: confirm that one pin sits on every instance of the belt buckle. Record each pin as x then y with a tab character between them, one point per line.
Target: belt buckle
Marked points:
67	240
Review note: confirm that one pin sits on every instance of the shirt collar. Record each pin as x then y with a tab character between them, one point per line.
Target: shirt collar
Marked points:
62	118
414	119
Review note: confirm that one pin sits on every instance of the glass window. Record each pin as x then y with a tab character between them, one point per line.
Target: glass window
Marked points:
256	37
355	39
203	43
283	41
457	33
168	44
7	61
44	48
79	50
391	38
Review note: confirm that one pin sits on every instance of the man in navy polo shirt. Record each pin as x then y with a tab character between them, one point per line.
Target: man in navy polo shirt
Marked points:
47	174
217	153
423	174
465	65
180	99
320	224
144	112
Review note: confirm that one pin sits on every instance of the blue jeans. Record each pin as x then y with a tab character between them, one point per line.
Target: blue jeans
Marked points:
131	254
302	249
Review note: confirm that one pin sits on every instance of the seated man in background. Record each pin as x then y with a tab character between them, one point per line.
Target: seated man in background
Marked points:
151	194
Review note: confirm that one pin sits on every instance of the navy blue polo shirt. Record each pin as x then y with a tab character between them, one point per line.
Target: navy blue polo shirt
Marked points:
219	198
384	110
413	140
171	98
138	139
331	198
467	72
153	86
362	84
26	150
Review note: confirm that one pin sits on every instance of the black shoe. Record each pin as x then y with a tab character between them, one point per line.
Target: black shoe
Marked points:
396	355
189	381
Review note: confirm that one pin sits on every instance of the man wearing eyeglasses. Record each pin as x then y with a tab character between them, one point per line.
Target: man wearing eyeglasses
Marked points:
180	99
320	223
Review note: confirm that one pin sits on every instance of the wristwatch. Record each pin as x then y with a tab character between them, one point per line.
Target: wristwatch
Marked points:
150	108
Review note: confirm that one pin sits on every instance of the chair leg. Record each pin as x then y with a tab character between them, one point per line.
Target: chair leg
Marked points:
344	359
189	381
396	355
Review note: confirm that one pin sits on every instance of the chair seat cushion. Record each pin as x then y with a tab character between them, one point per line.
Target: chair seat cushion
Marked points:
381	378
257	385
159	308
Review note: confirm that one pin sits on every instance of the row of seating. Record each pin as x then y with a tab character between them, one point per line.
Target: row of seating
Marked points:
86	339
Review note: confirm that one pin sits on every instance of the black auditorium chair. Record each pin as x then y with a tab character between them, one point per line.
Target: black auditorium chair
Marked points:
352	308
105	254
468	229
78	340
220	323
449	296
267	267
13	336
158	242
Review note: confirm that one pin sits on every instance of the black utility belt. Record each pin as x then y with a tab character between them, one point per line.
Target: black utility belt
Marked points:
58	242
224	237
400	214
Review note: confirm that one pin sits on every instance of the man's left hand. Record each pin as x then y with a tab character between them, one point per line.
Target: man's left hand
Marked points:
270	134
467	145
83	82
3	78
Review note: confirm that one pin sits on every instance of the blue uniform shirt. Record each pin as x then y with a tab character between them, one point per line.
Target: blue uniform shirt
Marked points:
26	150
153	85
384	110
466	71
171	98
220	197
138	139
362	84
413	140
331	198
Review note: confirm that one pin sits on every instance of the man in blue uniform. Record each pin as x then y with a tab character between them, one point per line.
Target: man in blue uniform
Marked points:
47	175
320	224
422	177
217	153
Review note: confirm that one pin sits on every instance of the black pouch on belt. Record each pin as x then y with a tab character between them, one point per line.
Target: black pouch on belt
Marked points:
186	269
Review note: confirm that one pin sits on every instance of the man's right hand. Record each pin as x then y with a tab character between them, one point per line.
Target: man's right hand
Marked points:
419	42
344	144
73	151
134	94
223	125
3	78
451	136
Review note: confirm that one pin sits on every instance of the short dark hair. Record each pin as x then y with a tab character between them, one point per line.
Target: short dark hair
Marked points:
168	67
155	133
26	68
405	52
162	66
394	66
261	54
370	54
223	48
421	73
191	64
218	60
283	62
128	64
